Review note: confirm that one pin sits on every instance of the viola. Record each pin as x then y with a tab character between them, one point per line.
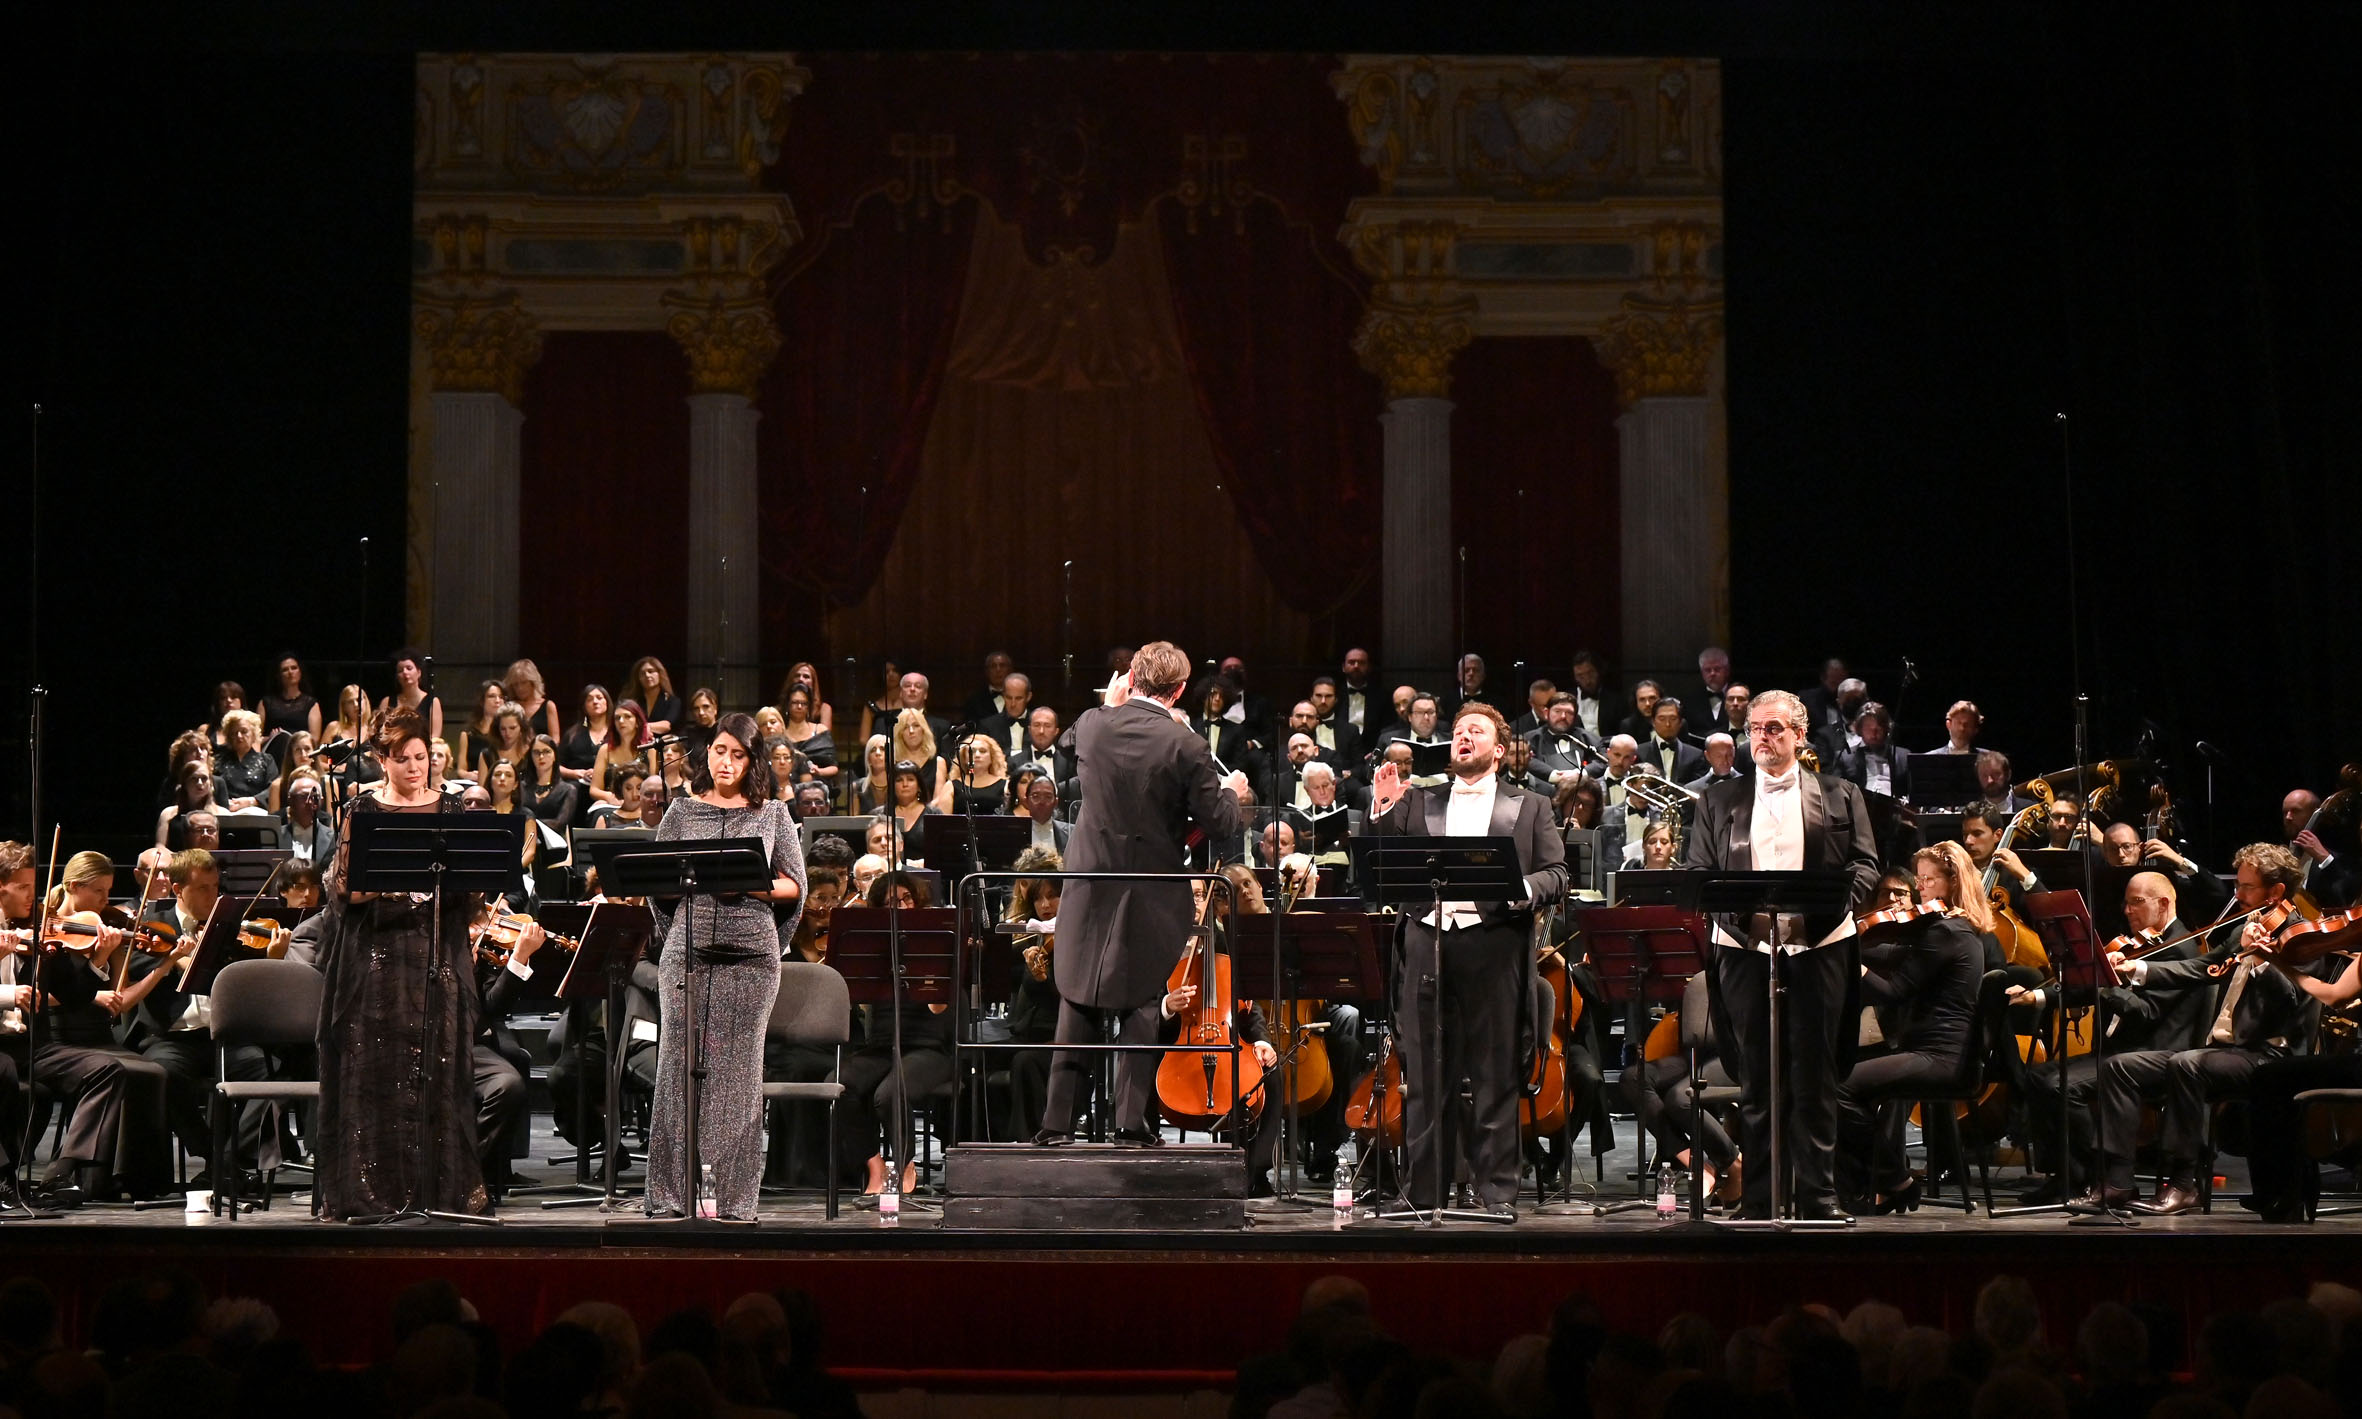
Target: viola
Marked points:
1903	915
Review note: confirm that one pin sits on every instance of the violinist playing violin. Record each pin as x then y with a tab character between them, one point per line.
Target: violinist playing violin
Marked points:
2136	1020
1924	969
2286	1179
175	1028
501	1063
114	1144
2254	1013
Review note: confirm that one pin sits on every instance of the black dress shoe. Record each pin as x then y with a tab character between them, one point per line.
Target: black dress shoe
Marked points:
1902	1199
1501	1211
63	1196
1746	1212
2172	1201
1821	1212
1138	1138
1052	1138
2049	1191
2285	1214
2110	1197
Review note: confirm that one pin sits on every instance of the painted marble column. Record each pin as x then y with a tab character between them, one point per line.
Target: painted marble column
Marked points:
1673	485
478	351
1410	348
729	343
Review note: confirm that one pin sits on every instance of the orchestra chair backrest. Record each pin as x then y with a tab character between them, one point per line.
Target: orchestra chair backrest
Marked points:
266	1003
812	1007
1992	1040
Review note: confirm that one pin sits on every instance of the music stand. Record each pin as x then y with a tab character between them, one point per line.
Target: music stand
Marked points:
613	936
403	853
887	955
1643	956
245	871
1744	894
707	867
1284	958
983	842
853	832
219	937
1408	871
1582	860
2071	939
1941	780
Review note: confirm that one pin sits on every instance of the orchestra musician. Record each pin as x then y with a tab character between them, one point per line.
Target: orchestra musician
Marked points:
1781	818
1145	778
2257	1013
1664	1097
1925	973
1482	964
2285	1177
114	1144
2136	1020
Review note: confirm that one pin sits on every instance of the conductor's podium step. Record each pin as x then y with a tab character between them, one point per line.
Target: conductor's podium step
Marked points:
1094	1187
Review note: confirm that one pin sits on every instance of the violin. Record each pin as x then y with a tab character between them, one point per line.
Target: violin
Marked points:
1196	1089
79	932
262	934
497	938
1902	915
2303	943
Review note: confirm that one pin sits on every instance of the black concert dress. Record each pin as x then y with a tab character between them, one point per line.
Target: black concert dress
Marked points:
397	1049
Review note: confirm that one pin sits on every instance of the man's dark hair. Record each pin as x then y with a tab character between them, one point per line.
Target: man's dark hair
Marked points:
1993	815
829	850
1320	680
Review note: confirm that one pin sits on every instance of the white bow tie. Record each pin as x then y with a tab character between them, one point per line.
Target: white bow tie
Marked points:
1468	790
1781	784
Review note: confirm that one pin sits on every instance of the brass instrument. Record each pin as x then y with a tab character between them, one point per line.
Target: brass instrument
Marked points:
1664	799
1810	757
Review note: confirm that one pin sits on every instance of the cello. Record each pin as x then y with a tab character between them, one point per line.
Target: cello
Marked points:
1195	1087
1542	1103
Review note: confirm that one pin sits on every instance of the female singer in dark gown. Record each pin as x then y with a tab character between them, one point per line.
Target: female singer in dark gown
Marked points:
398	1023
738	941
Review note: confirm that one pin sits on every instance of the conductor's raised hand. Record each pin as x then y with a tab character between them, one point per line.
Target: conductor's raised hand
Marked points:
1237	784
1386	789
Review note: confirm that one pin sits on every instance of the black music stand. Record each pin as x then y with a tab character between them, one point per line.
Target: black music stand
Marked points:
1642	956
1406	871
613	936
2071	939
1582	861
1744	894
247	871
887	955
983	842
422	853
1285	958
711	868
1941	780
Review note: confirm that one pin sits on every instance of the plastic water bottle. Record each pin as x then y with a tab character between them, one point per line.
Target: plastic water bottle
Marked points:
1341	1201
709	1205
1665	1193
890	1205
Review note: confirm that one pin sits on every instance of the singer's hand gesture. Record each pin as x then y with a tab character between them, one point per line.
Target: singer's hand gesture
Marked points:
1386	789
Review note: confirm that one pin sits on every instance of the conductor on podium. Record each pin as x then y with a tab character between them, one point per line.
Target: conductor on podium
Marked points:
1782	818
1487	964
1145	780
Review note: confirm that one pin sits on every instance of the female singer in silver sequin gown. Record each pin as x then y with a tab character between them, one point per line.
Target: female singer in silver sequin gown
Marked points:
397	1024
737	942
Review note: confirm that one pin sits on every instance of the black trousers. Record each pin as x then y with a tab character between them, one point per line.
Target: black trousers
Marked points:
1135	1071
117	1102
1324	1127
583	1084
1873	1112
2286	1177
1461	1101
1661	1095
2043	1119
2182	1083
872	1102
187	1058
1813	1017
1029	1092
500	1108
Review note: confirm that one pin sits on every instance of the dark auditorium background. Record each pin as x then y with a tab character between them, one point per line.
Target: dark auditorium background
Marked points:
1945	226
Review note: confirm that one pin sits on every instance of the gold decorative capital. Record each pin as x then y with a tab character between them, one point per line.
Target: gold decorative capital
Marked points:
479	344
729	341
1661	349
1410	348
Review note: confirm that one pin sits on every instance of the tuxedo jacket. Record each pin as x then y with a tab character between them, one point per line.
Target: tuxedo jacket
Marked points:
1061	764
1712	716
1004	731
2270	1007
1688	760
1541	852
1853	765
1547	757
1345	748
2159	1019
1146	781
1837	836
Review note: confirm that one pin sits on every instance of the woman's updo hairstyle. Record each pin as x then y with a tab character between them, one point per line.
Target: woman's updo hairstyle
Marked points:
395	727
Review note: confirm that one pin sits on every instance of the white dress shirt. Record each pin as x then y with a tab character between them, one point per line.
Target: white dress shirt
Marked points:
1588	709
198	1013
1469	815
1045	834
1776	831
1878	773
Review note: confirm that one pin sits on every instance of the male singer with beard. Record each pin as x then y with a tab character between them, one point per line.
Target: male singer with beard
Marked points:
1145	779
1781	819
1486	957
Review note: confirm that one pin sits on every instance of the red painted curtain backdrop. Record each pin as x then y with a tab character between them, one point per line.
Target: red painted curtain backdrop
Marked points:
604	482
